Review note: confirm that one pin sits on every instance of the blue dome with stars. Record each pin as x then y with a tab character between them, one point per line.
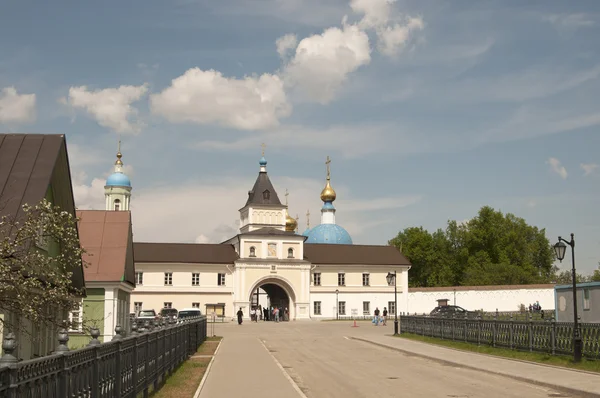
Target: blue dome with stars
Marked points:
118	180
306	232
329	233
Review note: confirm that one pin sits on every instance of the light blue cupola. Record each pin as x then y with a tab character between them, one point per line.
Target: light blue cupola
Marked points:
328	231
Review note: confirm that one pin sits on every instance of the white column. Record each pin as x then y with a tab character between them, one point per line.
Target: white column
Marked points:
110	312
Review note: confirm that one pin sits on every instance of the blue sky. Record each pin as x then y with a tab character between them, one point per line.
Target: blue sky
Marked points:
429	110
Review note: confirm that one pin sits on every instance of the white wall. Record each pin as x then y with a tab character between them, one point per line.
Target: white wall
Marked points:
484	298
353	300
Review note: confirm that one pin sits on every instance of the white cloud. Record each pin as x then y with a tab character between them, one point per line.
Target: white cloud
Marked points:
570	21
557	167
201	97
111	107
286	43
393	31
588	168
15	107
88	196
322	63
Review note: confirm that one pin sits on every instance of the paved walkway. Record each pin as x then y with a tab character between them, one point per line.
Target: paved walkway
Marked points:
331	359
244	368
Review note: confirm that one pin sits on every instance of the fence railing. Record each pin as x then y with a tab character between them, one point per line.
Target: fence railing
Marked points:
123	367
555	338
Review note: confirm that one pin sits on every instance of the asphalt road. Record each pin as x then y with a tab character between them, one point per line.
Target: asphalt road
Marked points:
323	362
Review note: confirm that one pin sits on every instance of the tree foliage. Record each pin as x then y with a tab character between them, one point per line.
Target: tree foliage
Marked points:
566	277
39	251
490	249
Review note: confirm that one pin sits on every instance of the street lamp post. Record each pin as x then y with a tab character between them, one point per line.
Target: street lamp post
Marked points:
560	249
337	305
391	277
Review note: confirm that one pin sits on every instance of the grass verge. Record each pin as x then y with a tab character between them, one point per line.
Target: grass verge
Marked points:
184	382
547	359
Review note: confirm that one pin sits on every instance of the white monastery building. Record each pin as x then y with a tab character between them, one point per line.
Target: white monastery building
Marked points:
319	274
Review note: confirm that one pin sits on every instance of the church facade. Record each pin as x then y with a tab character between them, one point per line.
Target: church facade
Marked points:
318	274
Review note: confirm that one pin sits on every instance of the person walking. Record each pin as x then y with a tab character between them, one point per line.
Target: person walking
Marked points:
240	315
276	312
376	319
252	314
385	313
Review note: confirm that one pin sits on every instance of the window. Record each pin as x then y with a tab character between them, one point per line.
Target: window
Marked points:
252	251
117	204
137	306
41	239
75	324
341	279
266	195
221	279
167	305
317	279
195	305
342	308
195	279
366	307
139	278
391	308
290	253
366	280
586	299
317	307
168	278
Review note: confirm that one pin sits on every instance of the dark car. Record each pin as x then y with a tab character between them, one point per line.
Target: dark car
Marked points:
189	313
167	313
448	311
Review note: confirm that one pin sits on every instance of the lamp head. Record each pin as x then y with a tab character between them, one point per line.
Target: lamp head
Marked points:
559	249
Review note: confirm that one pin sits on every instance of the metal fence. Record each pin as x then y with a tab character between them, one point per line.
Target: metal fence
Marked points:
123	367
555	338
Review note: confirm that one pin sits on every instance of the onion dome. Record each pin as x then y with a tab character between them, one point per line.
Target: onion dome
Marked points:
290	223
328	194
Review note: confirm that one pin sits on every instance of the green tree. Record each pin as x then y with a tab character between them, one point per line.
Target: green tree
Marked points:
38	254
490	249
595	277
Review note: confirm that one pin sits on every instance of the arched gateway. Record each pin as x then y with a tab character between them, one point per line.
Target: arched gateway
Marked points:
276	291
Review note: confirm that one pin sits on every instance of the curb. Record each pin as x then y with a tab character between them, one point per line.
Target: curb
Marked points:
581	393
199	389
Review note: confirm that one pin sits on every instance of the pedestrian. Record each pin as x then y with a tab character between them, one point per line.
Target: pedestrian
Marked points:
276	313
376	319
252	314
385	316
240	315
265	314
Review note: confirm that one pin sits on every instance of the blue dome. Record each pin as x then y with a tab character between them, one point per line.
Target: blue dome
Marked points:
262	161
329	233
306	232
118	180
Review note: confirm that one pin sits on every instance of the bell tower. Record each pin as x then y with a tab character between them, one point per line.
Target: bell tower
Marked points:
117	190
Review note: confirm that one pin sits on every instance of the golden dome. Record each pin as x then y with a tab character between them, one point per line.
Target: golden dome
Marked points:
328	194
290	223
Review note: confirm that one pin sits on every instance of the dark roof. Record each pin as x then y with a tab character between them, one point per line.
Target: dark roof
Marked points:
319	253
262	184
27	162
106	237
31	164
206	253
269	231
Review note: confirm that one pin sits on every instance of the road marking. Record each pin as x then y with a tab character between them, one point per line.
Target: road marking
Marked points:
347	338
287	376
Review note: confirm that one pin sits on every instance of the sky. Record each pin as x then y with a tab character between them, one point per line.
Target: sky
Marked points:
429	110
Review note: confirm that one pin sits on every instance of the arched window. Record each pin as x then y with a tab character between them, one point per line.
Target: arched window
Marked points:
117	205
252	251
290	253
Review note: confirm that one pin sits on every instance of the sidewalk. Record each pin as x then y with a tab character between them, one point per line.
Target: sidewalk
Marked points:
244	368
573	381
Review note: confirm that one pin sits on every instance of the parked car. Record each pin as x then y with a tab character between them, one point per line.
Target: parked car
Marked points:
448	311
145	315
189	312
168	313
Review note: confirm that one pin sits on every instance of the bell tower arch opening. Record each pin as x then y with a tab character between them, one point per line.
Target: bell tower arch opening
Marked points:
274	292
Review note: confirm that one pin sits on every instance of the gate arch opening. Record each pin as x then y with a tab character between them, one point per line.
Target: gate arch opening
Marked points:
271	292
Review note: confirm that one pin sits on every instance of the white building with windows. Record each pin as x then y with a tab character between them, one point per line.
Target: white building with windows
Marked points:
318	274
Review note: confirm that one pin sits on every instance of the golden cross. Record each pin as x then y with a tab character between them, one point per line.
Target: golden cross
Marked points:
263	146
286	196
308	218
327	163
119	147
